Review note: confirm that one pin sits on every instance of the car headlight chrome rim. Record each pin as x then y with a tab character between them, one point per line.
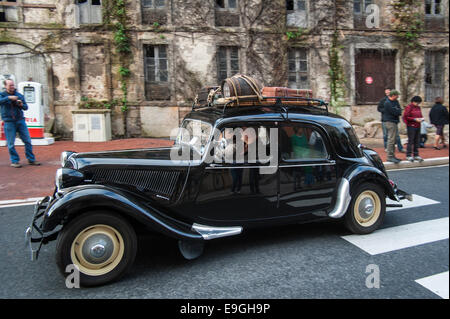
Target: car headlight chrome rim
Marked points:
65	156
59	178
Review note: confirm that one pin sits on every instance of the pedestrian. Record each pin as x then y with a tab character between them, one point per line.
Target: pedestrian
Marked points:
12	106
412	116
392	112
380	109
424	126
439	118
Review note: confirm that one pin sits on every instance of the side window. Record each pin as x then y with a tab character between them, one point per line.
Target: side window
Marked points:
246	144
301	142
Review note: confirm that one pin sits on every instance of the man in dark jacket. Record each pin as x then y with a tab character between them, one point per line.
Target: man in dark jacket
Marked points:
12	106
380	109
391	113
439	118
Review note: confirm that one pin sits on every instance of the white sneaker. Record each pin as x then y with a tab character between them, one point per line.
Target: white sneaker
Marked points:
409	158
419	159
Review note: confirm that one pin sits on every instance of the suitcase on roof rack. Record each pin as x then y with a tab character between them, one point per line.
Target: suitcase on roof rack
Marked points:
270	92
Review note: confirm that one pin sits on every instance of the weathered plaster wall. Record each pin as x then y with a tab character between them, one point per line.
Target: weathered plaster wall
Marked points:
82	60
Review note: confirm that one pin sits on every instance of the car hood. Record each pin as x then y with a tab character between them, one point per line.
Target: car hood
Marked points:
130	158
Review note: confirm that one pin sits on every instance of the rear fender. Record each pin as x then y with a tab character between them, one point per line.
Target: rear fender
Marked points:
90	197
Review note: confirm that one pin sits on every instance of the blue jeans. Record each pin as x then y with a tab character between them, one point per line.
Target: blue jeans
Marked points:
398	141
11	128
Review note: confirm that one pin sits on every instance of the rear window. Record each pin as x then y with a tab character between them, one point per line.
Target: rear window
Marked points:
345	141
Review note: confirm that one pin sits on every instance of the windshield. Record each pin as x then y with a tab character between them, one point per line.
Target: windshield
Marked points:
195	133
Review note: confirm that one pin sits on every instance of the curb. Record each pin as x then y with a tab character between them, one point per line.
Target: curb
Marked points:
19	202
426	163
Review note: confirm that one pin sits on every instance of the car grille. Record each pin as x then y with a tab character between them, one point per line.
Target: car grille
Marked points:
157	181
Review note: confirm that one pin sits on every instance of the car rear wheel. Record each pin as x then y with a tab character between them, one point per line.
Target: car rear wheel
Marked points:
101	245
367	209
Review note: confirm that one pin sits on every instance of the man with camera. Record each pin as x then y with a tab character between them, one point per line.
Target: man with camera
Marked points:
12	106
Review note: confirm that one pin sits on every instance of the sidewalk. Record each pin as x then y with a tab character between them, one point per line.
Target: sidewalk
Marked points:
29	182
38	181
431	156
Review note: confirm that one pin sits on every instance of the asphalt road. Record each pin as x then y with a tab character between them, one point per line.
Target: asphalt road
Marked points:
297	261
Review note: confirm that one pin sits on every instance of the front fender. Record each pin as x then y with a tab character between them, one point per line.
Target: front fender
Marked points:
81	198
364	173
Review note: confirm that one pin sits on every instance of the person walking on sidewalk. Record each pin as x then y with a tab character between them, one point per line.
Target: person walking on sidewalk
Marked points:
380	109
413	118
12	106
439	118
392	112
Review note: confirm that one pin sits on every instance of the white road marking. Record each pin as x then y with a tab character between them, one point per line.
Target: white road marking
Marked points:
399	237
417	201
19	202
437	283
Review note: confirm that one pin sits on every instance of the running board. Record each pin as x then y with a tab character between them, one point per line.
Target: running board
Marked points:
394	205
211	232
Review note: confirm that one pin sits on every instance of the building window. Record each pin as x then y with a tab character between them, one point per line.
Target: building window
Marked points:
156	64
297	15
154	12
155	4
157	85
434	75
360	6
226	13
226	4
296	5
8	13
298	69
90	11
433	7
227	62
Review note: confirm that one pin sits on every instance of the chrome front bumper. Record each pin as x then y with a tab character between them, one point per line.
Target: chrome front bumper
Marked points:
34	236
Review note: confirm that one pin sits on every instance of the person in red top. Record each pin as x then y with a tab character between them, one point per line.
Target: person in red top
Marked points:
412	116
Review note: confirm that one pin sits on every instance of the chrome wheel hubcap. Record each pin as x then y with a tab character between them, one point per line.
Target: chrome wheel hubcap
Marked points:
366	208
97	248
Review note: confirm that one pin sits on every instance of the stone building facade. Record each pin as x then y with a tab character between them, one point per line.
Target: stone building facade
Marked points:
346	51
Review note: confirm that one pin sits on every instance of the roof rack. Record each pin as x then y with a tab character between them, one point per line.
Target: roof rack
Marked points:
267	101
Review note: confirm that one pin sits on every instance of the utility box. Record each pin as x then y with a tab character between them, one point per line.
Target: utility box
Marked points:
91	125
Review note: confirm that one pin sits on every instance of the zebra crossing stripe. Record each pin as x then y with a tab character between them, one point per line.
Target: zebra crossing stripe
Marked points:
417	201
400	237
437	283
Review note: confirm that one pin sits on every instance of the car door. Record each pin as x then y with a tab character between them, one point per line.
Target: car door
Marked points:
307	170
240	190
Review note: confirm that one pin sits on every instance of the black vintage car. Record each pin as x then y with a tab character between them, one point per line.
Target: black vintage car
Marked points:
308	165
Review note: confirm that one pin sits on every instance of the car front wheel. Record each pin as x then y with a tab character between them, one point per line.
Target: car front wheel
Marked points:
101	245
367	209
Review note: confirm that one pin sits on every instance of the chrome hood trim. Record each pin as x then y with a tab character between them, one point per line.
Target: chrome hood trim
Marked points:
343	199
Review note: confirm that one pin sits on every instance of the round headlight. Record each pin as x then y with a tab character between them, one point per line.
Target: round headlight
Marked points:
66	177
59	178
64	157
